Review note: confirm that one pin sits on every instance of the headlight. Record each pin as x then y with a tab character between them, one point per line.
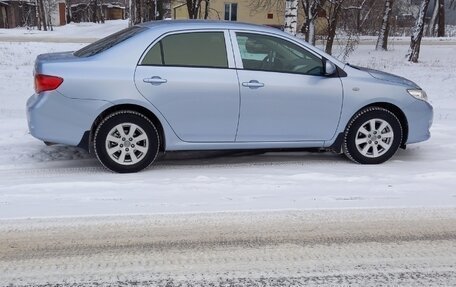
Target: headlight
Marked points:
418	94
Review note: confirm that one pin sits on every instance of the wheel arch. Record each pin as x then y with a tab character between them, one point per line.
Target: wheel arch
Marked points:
397	112
337	145
131	107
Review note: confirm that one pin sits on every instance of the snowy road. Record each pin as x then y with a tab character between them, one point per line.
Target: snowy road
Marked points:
364	247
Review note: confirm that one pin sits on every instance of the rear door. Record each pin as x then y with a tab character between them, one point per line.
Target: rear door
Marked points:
190	78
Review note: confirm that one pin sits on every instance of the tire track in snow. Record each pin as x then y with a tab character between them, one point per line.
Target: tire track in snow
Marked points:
415	246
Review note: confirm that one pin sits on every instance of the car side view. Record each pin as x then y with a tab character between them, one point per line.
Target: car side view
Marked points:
215	85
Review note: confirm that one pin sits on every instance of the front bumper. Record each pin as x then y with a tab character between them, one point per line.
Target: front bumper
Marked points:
419	116
55	118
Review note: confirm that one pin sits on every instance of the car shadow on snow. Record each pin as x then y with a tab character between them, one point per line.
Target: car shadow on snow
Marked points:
199	158
204	158
70	156
54	153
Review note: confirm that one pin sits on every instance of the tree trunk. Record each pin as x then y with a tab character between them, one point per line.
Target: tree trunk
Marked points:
431	27
131	13
193	7
291	16
100	9
68	11
138	12
441	29
417	33
331	36
382	41
311	11
160	9
94	11
311	32
206	9
332	18
38	17
42	15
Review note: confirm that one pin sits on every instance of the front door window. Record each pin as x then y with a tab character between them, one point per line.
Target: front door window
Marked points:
266	53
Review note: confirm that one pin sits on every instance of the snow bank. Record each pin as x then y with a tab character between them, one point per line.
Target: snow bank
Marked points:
86	31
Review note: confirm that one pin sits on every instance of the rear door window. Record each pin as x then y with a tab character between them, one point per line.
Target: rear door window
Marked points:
195	49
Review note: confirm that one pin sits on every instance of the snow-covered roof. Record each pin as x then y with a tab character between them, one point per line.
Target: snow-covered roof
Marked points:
116	5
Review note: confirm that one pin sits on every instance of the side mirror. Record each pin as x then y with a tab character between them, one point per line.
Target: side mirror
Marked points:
330	68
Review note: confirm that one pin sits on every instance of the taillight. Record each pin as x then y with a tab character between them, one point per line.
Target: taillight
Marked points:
46	83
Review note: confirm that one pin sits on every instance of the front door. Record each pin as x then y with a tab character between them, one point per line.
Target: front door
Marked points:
284	96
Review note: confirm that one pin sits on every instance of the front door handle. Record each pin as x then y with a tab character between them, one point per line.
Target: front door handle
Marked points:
253	84
155	80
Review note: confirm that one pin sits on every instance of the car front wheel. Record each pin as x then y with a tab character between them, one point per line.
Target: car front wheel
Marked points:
373	136
126	141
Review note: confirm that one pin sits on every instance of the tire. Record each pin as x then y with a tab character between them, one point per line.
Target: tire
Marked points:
126	141
373	136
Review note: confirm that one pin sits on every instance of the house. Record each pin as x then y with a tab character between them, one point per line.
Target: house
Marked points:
408	9
83	10
245	11
22	13
240	10
15	13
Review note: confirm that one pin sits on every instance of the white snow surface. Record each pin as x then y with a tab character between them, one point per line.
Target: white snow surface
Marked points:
59	181
69	32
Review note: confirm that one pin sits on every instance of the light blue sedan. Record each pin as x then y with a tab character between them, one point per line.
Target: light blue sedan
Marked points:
213	85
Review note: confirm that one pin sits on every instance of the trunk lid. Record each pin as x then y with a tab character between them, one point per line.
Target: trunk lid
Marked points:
52	58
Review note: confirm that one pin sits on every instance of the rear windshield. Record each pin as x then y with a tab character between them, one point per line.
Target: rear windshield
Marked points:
108	42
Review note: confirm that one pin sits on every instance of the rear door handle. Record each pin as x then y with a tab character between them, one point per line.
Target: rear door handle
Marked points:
155	80
253	84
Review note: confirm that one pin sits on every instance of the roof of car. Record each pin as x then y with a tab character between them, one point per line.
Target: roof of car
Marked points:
202	24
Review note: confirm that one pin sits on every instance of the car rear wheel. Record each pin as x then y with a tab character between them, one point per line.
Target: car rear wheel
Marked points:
373	136
126	141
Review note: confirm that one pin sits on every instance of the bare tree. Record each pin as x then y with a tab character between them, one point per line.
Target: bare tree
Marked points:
95	11
206	9
334	8
50	7
68	15
441	12
332	16
382	41
41	15
291	17
433	22
311	8
193	8
417	33
38	16
144	10
100	9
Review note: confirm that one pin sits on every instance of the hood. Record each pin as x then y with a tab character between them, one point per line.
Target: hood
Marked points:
379	75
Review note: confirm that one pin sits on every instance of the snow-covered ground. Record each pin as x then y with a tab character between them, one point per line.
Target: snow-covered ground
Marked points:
57	181
72	32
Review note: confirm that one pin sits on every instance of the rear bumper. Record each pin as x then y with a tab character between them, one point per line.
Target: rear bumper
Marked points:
420	116
55	118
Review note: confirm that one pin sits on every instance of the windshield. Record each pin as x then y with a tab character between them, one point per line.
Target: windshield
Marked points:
108	42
